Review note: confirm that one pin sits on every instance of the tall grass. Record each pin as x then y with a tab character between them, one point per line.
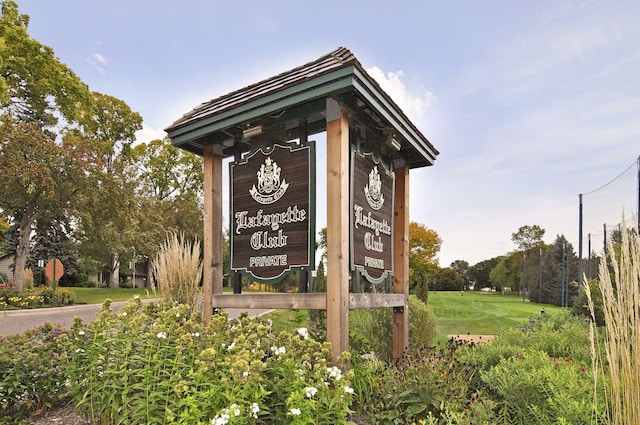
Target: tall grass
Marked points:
177	269
620	287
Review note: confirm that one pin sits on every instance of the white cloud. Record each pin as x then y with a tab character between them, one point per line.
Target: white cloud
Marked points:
99	62
393	84
148	134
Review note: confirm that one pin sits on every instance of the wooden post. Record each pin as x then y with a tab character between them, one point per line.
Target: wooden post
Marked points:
212	270
401	260
337	228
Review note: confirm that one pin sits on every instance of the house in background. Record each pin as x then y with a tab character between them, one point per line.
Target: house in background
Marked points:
6	261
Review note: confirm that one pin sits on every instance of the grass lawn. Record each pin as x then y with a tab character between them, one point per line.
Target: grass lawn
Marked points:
475	313
480	313
99	295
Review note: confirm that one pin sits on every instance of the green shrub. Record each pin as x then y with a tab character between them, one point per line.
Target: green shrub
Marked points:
430	383
33	372
158	364
372	329
534	388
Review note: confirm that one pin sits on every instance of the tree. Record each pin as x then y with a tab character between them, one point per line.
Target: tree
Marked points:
36	91
505	274
552	272
170	191
528	237
462	268
479	274
110	219
424	246
34	85
4	228
447	279
37	176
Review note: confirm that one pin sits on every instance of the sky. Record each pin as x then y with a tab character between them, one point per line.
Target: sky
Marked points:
530	103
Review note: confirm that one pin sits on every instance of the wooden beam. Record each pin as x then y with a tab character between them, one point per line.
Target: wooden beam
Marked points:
315	301
401	260
375	301
212	258
337	228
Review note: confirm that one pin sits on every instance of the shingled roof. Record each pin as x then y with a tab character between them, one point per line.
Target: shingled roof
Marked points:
301	93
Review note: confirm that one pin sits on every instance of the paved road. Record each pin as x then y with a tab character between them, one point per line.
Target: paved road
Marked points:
18	321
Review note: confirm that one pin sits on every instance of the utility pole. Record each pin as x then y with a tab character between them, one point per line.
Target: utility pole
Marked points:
580	242
540	279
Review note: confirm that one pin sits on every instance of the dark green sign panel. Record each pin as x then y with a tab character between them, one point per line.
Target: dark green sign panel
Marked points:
372	186
272	222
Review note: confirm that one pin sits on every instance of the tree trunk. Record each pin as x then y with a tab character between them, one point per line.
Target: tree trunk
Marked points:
22	252
114	279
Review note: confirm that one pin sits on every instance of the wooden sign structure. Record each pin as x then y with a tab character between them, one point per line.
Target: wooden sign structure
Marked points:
336	95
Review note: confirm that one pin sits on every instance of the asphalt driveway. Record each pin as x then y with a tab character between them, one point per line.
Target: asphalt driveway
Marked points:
18	321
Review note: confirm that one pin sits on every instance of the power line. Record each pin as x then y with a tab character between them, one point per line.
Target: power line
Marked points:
616	178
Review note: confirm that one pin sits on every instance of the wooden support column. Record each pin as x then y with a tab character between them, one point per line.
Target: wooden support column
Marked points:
212	262
337	228
401	260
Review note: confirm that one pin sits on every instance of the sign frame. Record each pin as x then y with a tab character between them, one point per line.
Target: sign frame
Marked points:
279	195
362	159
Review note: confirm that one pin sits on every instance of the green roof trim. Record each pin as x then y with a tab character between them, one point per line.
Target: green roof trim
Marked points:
335	75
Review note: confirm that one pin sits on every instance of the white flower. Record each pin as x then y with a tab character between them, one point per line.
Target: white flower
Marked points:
177	315
230	347
278	350
335	373
235	409
295	411
196	334
221	419
245	373
310	391
254	410
162	335
136	297
81	333
124	313
303	333
348	390
79	350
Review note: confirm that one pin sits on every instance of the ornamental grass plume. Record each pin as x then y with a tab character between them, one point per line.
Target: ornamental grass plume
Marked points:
177	269
619	283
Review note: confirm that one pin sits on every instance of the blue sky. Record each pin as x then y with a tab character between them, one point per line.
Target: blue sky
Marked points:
529	103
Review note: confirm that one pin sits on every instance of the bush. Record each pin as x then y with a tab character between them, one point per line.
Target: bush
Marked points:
33	371
534	388
158	364
430	383
372	329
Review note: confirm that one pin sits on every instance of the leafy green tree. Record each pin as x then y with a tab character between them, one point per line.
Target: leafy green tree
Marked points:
505	274
169	195
4	227
462	267
446	279
34	85
37	93
424	246
110	220
37	176
479	273
528	237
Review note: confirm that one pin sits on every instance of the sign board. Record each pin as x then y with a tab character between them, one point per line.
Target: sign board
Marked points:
372	186
54	270
272	221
